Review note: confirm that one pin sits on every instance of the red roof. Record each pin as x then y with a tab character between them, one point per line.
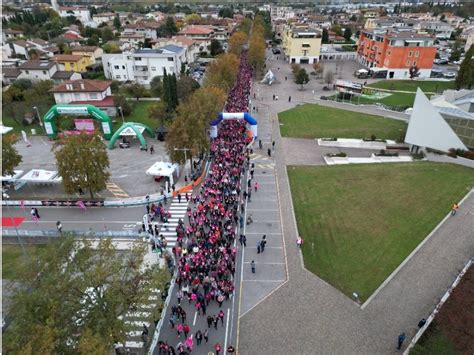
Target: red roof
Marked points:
82	86
196	30
107	102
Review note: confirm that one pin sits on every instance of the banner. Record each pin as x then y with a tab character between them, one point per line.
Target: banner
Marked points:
84	124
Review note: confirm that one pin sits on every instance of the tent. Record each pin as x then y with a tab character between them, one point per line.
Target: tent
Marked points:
165	169
132	129
40	176
129	132
12	178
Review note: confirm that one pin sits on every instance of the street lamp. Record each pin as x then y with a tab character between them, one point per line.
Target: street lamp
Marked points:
185	157
39	117
7	197
121	113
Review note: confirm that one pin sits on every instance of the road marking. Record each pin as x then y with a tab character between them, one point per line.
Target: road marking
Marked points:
195	317
81	222
260	210
226	328
263	233
247	262
263	281
115	189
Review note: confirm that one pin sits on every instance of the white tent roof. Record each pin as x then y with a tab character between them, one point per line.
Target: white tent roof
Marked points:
16	175
41	176
162	168
130	132
5	129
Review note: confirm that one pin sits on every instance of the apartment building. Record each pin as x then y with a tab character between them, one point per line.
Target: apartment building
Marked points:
302	44
144	64
397	52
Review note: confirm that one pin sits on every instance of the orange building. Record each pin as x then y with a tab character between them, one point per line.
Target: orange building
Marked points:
396	52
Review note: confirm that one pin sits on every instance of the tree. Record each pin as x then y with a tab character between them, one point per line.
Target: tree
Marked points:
256	52
136	90
215	47
295	68
107	34
156	86
192	18
160	113
236	42
73	295
337	30
456	52
246	26
82	163
302	78
189	129
93	40
325	36
328	76
10	156
414	72
226	12
122	102
170	94
117	23
186	86
168	29
465	76
318	68
347	34
222	72
111	48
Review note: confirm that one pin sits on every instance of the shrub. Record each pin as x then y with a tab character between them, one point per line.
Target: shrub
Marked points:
452	153
373	137
340	155
384	153
418	156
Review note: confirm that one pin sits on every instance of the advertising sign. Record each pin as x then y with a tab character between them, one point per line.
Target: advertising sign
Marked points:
48	128
75	110
84	124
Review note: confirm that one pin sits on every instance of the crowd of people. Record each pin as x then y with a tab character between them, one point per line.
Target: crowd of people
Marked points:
205	251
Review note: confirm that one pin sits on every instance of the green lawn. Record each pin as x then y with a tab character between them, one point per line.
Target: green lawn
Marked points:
12	256
140	114
359	222
433	342
315	121
18	127
396	99
412	85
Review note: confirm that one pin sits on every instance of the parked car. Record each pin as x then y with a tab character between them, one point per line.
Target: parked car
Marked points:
276	51
449	75
440	61
456	62
436	73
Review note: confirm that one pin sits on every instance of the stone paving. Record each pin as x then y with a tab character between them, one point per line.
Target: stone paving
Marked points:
307	316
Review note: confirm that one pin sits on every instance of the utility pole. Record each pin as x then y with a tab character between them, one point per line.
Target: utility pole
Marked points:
185	158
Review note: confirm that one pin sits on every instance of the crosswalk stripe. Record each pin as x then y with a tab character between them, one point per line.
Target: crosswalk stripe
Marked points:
137	314
135	333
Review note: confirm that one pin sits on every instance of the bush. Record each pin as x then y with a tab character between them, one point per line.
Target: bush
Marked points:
418	156
384	153
373	137
452	153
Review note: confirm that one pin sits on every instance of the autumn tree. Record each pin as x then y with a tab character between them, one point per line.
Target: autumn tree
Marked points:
302	77
328	76
245	26
107	34
465	76
160	113
236	42
222	72
136	90
215	47
186	86
10	156
318	68
256	53
74	295
82	162
189	129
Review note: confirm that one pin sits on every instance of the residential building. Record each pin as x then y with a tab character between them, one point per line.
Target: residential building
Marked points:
72	36
146	28
36	70
301	44
190	45
396	52
80	13
156	15
92	92
8	34
281	12
198	32
21	48
440	29
9	75
134	39
104	17
441	123
144	64
122	45
69	62
92	52
61	76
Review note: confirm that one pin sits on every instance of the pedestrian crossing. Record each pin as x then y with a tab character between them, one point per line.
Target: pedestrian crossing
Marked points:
265	166
135	320
115	189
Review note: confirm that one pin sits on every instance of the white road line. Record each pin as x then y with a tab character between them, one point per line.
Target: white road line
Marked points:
261	210
263	280
247	262
226	328
81	222
195	317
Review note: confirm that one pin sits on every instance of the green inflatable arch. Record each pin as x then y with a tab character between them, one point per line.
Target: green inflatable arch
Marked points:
76	110
134	126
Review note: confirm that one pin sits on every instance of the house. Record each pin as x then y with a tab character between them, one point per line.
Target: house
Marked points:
396	52
9	75
104	17
442	123
8	34
37	70
281	12
301	44
146	28
440	29
198	32
134	39
469	35
121	45
143	65
80	13
156	15
92	52
91	92
21	48
72	36
69	62
190	45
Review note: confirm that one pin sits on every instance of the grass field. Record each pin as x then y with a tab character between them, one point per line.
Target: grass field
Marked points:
359	222
12	256
434	342
412	85
396	99
140	114
315	121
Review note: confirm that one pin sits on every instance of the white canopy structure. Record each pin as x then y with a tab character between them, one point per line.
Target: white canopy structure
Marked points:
40	176
269	78
165	169
12	178
129	132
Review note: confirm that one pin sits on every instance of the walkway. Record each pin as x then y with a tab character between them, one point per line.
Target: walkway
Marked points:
307	314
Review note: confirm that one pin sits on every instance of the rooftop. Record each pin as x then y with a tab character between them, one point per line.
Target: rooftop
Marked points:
67	58
63	75
84	49
196	30
82	86
37	65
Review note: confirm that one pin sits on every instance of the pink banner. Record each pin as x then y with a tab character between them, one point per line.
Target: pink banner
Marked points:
84	124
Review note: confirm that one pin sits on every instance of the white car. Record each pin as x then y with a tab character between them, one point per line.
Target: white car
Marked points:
449	75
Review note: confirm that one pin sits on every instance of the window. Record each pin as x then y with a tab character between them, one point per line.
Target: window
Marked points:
414	63
410	53
93	95
117	76
171	69
305	45
123	66
170	59
389	52
77	96
153	68
417	54
138	58
116	67
408	63
44	72
27	71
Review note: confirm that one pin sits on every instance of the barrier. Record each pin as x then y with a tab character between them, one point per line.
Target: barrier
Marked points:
252	122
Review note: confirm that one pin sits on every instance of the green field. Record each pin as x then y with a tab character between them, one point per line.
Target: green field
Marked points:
140	114
359	222
412	85
12	256
434	342
315	121
401	100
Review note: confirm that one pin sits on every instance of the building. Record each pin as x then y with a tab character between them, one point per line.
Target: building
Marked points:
281	12
301	44
145	28
9	75
36	70
80	13
143	65
396	52
8	34
134	39
104	17
69	62
439	29
92	52
190	45
92	92
469	37
442	123
198	32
